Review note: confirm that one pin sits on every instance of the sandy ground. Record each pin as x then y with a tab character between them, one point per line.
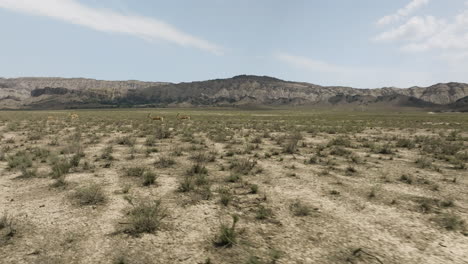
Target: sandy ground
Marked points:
346	223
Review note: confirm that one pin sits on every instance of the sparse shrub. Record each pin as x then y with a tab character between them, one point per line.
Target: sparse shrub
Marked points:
150	141
227	236
162	132
256	140
187	184
355	159
291	146
202	157
60	182
149	178
423	162
59	168
20	160
451	222
28	173
233	177
447	203
373	193
176	152
107	153
145	217
254	260
242	165
340	141
120	259
405	143
298	208
406	179
225	196
7	229
382	149
165	162
75	160
340	151
350	170
90	195
253	188
312	160
201	179
197	169
263	213
137	171
205	192
126	188
126	140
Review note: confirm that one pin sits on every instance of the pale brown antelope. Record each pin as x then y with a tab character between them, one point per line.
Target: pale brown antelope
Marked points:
181	117
73	116
160	118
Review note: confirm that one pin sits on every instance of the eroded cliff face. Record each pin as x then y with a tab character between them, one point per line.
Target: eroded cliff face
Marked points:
244	89
24	92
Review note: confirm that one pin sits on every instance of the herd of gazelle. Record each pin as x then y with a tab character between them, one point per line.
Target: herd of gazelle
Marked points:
160	118
74	116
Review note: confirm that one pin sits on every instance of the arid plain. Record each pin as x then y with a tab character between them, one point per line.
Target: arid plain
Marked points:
233	186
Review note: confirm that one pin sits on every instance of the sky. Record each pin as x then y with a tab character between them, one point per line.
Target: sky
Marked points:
359	43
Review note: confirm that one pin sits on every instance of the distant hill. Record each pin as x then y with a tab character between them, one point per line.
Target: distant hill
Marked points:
45	93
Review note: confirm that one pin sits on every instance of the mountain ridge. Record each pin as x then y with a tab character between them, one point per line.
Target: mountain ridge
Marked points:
52	92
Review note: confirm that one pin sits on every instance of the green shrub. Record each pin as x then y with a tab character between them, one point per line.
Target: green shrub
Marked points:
149	178
451	222
340	141
227	236
7	229
165	162
242	165
406	179
225	196
263	213
28	173
145	217
291	146
340	151
405	143
233	177
90	195
59	168
20	160
253	188
197	169
203	157
137	171
423	162
187	184
300	209
126	140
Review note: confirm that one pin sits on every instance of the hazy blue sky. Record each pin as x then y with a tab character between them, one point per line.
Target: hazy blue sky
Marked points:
361	43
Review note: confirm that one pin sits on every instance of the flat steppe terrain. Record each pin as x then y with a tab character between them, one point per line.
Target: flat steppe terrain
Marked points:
233	186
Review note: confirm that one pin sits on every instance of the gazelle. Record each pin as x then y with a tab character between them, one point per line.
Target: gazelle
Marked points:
73	116
160	118
180	117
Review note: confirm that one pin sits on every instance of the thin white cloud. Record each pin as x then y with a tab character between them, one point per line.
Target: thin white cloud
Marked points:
371	77
403	12
420	34
72	11
416	28
453	37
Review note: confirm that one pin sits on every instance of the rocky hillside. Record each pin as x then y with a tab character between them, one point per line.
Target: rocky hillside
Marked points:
239	90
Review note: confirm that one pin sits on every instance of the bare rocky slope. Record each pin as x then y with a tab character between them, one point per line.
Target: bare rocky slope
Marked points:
42	93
